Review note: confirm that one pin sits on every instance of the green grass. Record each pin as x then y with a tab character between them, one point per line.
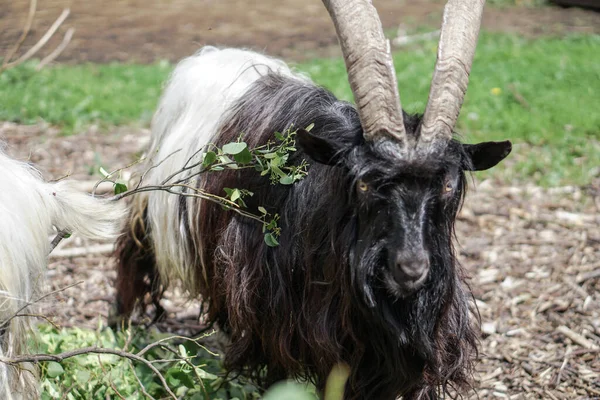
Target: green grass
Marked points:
541	92
77	95
518	3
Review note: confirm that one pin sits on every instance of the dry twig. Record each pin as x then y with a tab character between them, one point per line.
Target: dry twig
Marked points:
56	52
26	29
40	44
576	337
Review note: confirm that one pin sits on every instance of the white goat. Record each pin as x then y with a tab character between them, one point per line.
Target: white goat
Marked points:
29	209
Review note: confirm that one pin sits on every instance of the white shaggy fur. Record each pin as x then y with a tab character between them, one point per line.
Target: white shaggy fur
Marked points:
200	92
29	208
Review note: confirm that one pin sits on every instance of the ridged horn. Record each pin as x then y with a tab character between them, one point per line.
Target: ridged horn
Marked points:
370	67
460	29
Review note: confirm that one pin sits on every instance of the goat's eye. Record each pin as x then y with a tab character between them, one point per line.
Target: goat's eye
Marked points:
448	186
362	186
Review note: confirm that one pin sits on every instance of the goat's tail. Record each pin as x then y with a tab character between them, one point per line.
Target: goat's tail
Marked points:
74	211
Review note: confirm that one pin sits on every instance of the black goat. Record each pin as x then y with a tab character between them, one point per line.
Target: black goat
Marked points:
365	273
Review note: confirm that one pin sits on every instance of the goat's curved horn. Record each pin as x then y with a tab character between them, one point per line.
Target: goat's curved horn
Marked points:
370	67
460	28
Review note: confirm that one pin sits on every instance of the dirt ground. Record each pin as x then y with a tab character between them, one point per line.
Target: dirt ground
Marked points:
533	254
147	30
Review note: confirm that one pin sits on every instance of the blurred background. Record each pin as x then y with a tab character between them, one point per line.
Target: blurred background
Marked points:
529	231
149	30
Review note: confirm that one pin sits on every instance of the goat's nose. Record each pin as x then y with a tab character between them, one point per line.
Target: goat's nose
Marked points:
411	267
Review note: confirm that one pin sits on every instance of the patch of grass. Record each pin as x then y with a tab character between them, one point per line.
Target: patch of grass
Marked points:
518	3
78	95
540	93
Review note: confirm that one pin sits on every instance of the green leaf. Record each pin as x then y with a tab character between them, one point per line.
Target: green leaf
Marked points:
308	128
334	389
262	210
286	180
288	391
243	157
104	172
182	351
51	388
279	136
276	162
234	148
184	378
82	376
205	375
54	369
270	240
278	171
172	380
209	158
120	188
269	156
235	194
259	165
230	163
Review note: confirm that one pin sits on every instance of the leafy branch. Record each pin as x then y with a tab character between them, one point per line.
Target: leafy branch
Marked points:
36	358
270	159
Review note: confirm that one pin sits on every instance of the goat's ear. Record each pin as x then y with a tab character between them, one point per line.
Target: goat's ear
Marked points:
486	155
319	149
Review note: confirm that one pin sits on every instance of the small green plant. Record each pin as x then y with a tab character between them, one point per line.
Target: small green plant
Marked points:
133	364
136	363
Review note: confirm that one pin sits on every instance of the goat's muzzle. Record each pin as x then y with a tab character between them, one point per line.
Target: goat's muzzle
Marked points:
411	270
